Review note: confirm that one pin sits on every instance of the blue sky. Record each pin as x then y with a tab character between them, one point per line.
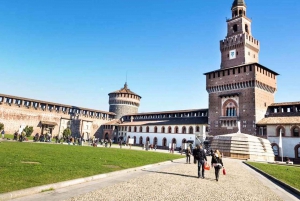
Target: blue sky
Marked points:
76	52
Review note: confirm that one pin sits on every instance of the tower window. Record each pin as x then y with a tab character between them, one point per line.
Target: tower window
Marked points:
246	28
240	12
235	28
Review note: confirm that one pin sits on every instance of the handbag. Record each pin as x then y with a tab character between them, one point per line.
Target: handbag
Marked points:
219	165
206	166
224	171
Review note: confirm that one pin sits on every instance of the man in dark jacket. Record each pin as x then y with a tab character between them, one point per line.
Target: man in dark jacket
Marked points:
200	156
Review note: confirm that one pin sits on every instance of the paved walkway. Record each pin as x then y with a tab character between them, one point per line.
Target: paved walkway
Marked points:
172	181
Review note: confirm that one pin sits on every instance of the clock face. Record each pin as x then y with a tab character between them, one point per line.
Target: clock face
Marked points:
232	54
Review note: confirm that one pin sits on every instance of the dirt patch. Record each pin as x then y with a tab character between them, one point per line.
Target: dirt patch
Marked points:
30	162
111	166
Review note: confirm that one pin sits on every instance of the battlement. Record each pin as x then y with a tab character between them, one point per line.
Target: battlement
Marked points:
239	39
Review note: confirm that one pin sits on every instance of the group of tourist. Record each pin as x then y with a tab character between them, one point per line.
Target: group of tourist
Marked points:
201	160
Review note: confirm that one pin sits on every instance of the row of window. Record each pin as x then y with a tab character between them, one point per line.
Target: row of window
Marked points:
112	95
162	130
276	151
294	131
173	115
154	141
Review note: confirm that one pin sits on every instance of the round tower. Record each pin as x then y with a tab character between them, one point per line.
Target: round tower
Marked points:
124	102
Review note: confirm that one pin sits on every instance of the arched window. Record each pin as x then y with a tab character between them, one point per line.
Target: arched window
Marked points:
197	128
147	139
282	129
155	129
295	131
246	28
191	130
141	129
129	129
183	129
147	129
164	142
174	141
163	129
141	140
135	129
229	108
176	129
240	12
134	140
235	28
183	140
169	129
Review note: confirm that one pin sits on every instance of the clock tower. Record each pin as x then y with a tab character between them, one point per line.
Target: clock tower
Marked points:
239	47
242	89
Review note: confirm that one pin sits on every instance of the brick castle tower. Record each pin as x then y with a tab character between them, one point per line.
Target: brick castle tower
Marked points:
124	102
242	89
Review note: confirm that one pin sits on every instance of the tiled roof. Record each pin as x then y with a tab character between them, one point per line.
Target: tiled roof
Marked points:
285	103
279	120
124	90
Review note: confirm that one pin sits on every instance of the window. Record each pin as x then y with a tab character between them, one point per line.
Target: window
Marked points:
183	129
191	130
155	129
163	129
176	129
280	128
246	28
296	132
230	108
235	28
197	128
135	129
141	129
129	129
169	129
147	129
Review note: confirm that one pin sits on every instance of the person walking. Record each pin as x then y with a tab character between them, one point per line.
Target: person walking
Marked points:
217	163
2	133
188	155
200	156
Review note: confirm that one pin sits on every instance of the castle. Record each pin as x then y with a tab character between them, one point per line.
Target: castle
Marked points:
241	90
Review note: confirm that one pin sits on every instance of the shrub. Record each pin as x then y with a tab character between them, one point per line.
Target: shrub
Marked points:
28	131
67	132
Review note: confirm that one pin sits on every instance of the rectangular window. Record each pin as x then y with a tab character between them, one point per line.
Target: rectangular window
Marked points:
228	72
233	71
245	69
250	68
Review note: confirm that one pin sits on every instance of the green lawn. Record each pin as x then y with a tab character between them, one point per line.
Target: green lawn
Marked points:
24	165
287	174
11	136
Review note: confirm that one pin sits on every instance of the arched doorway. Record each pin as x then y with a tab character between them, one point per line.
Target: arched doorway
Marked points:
183	140
106	136
148	139
174	141
134	140
275	149
297	151
155	141
141	140
164	142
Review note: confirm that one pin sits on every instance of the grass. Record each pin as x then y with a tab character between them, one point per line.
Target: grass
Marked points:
11	136
287	174
24	165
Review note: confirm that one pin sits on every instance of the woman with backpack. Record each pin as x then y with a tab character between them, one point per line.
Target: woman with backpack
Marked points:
217	163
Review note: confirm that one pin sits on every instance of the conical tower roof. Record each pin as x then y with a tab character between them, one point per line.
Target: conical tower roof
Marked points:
238	3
